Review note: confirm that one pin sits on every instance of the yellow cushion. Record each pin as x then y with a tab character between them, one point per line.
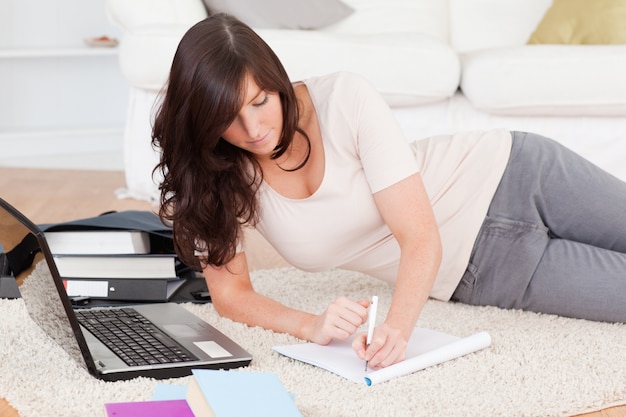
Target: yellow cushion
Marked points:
582	22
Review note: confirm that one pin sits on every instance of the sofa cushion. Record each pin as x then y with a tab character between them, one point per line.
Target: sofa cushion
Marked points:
582	22
482	24
133	13
407	68
283	14
428	17
547	80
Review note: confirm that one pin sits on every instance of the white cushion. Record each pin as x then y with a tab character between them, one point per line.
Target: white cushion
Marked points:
407	68
547	80
130	13
429	17
480	24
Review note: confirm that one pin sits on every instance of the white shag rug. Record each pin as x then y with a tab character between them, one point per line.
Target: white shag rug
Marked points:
537	365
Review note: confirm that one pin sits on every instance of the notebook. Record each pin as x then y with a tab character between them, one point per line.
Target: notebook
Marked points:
173	340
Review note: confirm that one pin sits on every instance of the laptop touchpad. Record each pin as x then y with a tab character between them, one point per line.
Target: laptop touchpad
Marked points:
213	349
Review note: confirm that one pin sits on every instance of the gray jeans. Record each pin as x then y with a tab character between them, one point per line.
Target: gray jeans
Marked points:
554	239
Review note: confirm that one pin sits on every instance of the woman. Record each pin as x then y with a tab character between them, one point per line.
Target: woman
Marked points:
323	171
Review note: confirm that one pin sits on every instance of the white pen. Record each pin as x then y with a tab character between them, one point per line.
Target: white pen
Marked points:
371	321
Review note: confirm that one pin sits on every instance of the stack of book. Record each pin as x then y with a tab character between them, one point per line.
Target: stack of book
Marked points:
113	265
215	393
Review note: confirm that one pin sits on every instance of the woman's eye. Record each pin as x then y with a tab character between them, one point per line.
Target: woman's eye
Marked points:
262	102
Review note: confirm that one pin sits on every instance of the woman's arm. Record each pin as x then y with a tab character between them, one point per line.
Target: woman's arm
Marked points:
234	297
406	209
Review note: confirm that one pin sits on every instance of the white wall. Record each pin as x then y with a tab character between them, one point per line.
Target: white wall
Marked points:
62	104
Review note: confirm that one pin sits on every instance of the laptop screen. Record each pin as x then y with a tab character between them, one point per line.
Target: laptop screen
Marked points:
29	261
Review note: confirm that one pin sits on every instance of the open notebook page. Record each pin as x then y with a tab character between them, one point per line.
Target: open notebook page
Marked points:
426	348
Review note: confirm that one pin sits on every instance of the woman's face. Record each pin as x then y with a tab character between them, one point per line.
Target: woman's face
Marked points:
259	124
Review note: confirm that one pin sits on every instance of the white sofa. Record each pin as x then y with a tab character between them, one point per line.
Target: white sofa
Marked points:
442	65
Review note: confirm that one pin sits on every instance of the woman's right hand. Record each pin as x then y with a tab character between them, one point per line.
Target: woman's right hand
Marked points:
340	320
235	298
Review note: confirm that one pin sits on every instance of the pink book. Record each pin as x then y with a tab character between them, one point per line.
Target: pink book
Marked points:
168	408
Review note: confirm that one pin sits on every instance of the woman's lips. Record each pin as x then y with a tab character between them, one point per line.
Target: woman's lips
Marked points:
261	140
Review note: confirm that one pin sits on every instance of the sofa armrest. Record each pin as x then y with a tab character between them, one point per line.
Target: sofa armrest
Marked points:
146	53
127	14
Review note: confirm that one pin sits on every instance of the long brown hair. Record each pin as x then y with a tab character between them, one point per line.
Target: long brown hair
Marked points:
209	186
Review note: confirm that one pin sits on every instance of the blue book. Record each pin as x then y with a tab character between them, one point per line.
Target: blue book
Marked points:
169	392
215	393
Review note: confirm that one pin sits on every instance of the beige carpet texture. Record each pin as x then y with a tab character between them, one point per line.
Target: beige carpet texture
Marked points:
537	365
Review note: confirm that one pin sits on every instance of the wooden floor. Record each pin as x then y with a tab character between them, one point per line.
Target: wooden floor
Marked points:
49	196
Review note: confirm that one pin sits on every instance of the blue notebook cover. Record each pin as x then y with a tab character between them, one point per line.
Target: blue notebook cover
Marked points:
236	394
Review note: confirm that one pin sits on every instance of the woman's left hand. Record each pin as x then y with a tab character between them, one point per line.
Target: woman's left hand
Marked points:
388	346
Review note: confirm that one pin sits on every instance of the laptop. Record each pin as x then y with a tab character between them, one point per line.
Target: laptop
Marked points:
173	340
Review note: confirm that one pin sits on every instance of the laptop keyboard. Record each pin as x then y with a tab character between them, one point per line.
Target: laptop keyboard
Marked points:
132	337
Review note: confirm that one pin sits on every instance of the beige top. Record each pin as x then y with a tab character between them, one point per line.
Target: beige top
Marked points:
366	151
